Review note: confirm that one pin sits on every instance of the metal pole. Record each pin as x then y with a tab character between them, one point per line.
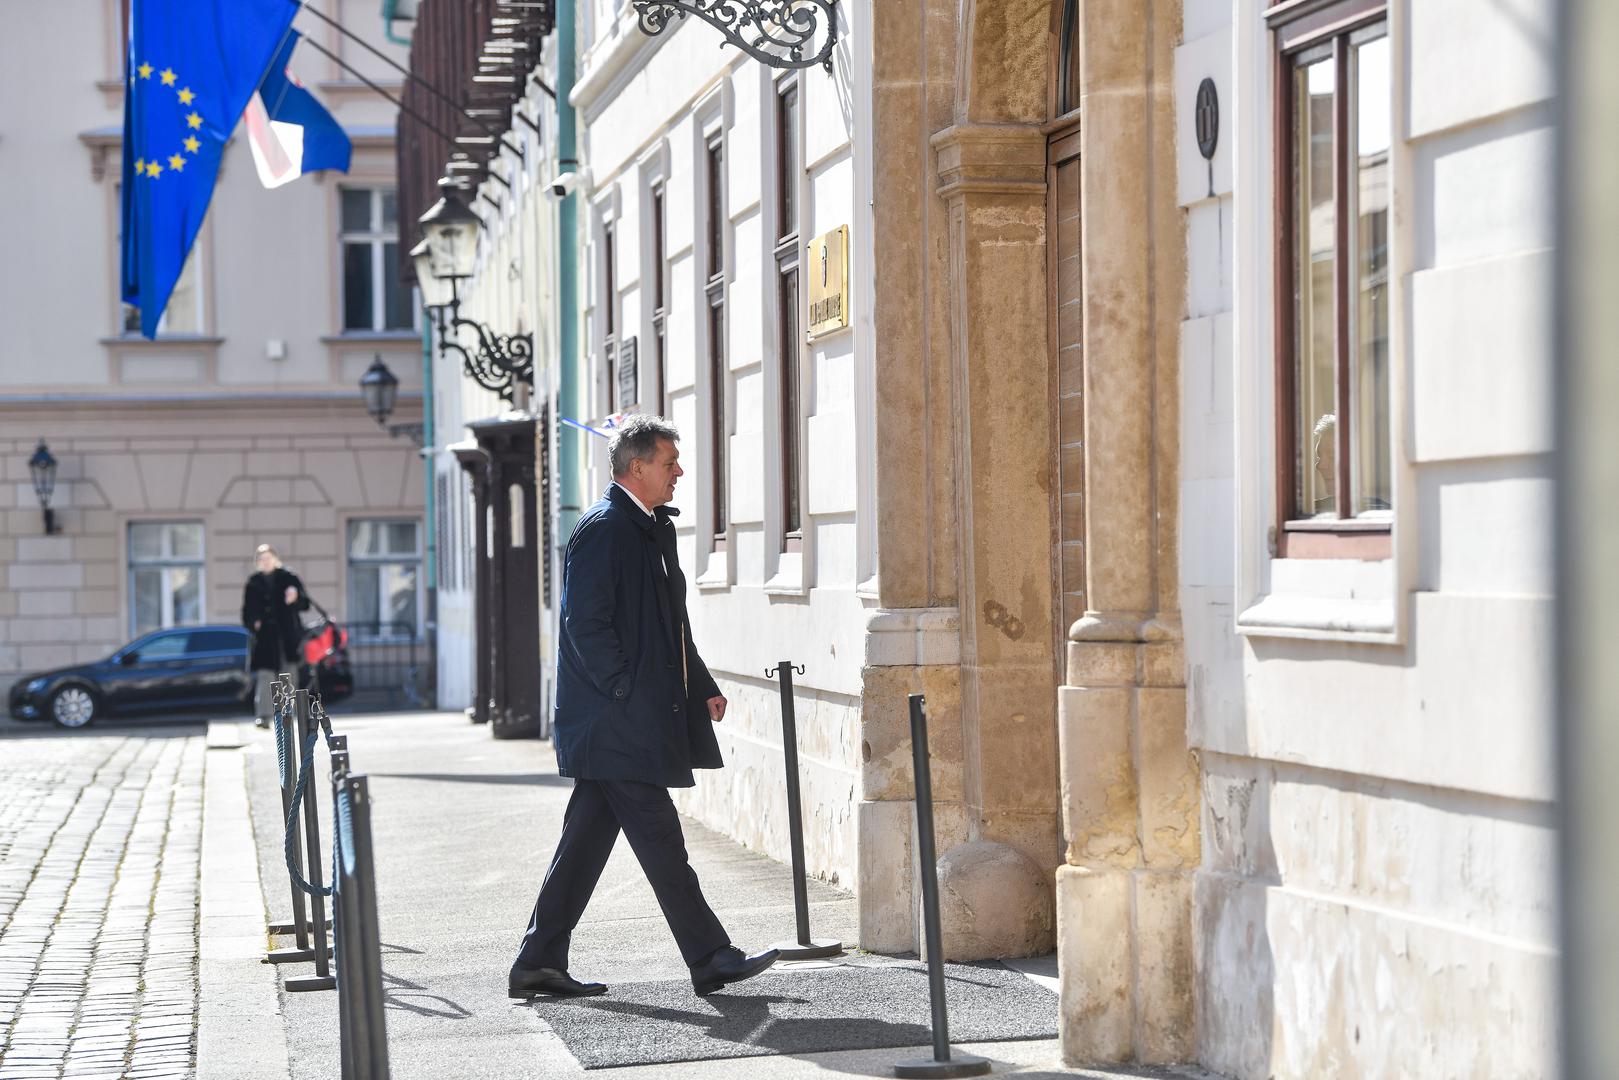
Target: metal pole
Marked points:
342	919
942	1063
299	926
322	979
806	947
371	1045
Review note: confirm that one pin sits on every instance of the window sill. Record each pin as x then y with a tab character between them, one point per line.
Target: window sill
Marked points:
1336	539
716	576
349	337
789	577
1326	600
164	341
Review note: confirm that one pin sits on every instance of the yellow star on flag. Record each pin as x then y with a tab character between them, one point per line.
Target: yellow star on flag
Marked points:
176	162
168	77
140	166
186	96
193	120
145	70
153	169
192	145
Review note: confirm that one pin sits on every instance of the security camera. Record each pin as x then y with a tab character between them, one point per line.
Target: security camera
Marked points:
564	184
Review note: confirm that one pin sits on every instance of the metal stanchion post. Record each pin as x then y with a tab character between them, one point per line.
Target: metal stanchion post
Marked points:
942	1064
299	924
805	947
322	979
369	1029
343	936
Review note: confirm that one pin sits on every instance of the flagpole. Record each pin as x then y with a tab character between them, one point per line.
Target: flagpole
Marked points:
425	122
406	72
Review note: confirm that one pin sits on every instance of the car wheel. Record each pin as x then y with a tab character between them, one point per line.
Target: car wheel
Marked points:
73	706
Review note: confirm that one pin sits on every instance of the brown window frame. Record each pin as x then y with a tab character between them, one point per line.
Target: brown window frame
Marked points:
660	298
718	361
1302	27
789	338
610	313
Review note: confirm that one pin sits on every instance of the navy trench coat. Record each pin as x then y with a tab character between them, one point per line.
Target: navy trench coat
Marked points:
629	705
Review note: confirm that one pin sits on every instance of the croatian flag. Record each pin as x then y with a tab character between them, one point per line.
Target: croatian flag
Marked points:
290	132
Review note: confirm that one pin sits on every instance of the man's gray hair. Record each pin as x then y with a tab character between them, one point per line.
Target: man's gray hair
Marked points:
637	440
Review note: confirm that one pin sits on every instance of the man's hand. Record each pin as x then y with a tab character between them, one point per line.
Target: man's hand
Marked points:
716	708
292	595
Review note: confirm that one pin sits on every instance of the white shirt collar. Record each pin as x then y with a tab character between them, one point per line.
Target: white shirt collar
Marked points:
633	499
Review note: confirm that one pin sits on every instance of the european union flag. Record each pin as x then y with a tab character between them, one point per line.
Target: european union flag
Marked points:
190	69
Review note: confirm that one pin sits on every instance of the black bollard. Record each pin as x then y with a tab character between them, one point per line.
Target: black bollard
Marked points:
364	1034
322	979
298	925
805	947
941	1064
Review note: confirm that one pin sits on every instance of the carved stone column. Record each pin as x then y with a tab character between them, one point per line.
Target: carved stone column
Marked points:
1129	783
996	887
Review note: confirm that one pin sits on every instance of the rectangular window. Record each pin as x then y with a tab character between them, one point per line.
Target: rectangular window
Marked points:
374	300
609	296
789	346
165	574
1334	121
718	371
385	562
660	301
184	312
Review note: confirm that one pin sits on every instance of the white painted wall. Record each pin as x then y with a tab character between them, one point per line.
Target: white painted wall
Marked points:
1376	896
645	105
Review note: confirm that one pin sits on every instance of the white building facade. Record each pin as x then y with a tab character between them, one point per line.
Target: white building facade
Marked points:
710	178
1366	564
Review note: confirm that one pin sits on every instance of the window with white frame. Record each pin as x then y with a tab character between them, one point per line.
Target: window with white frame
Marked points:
374	299
166	568
385	578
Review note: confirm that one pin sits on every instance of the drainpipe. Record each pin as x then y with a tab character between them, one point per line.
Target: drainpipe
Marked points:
570	440
429	471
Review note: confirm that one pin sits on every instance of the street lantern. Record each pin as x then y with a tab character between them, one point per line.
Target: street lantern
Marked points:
436	291
380	388
451	231
42	467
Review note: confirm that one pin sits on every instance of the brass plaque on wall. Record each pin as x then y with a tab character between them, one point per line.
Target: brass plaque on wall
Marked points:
828	274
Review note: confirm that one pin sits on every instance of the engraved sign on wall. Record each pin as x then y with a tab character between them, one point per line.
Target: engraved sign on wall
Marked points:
829	282
628	386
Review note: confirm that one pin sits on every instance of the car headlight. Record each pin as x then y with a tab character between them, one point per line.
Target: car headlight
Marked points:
34	686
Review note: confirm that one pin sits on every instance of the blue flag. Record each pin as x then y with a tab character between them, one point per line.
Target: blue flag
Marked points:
289	131
189	71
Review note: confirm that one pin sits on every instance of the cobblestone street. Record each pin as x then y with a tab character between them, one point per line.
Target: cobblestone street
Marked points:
99	845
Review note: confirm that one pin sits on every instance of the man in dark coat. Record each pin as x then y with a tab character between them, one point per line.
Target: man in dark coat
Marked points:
271	601
635	709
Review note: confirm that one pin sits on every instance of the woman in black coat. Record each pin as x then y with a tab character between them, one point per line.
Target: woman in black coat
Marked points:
270	605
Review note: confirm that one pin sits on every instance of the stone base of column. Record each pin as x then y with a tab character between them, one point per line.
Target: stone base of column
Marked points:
1124	952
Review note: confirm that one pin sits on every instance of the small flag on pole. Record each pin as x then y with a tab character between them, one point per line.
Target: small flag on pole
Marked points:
289	131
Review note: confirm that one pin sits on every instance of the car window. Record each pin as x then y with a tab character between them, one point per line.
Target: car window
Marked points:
209	641
164	646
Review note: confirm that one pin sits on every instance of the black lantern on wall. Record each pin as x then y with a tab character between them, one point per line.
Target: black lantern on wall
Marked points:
380	389
444	259
42	467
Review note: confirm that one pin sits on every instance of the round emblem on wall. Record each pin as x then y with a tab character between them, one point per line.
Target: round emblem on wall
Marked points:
1207	112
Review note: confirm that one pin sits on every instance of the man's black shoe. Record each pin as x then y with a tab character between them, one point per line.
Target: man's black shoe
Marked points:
548	982
729	965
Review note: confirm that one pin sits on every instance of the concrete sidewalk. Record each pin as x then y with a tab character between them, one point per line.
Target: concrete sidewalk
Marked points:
464	827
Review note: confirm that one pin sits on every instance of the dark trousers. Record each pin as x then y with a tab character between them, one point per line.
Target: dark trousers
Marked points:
596	812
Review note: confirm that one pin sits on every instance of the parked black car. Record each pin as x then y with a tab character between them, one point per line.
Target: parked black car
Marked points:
167	670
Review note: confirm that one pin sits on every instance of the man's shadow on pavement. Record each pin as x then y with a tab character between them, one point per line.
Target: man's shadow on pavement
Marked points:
748	1021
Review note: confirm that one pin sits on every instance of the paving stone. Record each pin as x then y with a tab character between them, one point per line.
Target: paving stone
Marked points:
99	842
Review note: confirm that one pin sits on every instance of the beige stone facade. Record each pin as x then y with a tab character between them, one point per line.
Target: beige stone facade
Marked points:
243	416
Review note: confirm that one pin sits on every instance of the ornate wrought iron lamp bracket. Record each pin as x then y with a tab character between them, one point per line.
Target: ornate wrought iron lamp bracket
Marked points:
498	362
777	33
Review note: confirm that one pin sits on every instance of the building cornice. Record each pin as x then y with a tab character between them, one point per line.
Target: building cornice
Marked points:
998	158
